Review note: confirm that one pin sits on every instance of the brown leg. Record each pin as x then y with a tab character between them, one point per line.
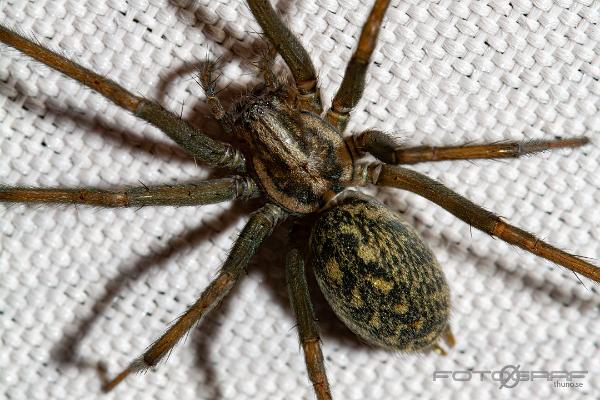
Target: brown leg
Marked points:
382	146
307	326
259	226
474	215
353	83
191	139
208	192
295	56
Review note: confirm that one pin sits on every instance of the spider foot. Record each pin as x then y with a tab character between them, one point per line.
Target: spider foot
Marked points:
108	385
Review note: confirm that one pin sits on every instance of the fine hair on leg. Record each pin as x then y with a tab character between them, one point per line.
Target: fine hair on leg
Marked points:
384	147
402	178
259	226
308	330
190	194
293	53
202	147
353	83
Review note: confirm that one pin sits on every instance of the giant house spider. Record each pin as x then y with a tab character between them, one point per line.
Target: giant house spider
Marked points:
508	306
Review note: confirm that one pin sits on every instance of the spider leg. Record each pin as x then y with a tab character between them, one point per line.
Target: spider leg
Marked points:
474	215
259	226
353	83
382	146
307	325
294	55
192	194
202	147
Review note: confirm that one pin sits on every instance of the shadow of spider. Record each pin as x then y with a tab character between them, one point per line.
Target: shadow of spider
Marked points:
288	201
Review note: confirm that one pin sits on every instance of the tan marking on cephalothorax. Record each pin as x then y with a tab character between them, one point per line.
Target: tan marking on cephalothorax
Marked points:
284	200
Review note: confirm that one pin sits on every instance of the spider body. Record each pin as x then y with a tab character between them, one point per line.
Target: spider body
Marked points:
379	276
374	270
299	159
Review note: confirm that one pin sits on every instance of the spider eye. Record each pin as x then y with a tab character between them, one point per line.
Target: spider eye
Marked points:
379	276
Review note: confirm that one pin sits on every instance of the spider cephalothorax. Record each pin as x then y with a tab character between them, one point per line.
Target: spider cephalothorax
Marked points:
299	160
375	271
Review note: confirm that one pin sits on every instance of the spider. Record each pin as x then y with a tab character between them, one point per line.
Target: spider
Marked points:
274	109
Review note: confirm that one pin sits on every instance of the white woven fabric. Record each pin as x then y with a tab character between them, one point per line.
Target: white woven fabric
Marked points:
80	285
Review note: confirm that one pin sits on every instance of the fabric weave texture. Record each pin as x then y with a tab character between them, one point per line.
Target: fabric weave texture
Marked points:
81	285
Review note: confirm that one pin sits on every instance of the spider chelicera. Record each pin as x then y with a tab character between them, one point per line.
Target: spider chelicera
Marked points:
375	271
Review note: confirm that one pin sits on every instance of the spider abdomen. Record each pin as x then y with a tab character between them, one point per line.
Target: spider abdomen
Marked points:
299	159
379	276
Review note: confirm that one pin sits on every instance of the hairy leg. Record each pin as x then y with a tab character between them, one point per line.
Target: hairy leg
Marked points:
191	194
353	83
294	55
259	226
196	143
307	325
382	146
474	215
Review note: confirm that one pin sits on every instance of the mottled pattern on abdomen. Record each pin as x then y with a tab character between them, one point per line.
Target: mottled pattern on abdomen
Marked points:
379	277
